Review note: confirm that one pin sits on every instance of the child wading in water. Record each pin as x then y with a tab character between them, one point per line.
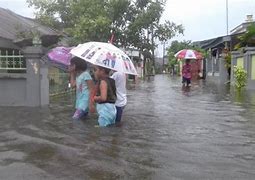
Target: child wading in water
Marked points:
81	79
186	73
106	97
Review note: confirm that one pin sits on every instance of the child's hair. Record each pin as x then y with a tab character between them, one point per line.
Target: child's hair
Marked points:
106	70
80	64
187	60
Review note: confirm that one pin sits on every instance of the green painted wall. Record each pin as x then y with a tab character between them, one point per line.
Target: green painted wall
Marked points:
239	62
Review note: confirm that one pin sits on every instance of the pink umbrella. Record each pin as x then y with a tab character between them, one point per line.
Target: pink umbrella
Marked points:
60	55
188	54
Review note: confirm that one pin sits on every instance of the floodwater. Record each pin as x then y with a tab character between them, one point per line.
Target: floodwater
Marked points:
168	132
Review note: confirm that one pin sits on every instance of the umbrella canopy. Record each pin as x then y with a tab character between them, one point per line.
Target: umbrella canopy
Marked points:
105	55
59	57
188	54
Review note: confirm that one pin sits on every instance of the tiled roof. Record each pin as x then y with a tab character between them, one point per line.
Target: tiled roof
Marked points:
12	24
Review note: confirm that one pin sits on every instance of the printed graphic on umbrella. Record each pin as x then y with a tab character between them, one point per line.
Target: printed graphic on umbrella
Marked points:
105	55
188	54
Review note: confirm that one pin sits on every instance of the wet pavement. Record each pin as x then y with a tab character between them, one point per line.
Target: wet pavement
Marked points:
168	132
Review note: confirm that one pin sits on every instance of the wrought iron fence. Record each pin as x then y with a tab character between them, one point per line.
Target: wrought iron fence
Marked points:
59	82
12	61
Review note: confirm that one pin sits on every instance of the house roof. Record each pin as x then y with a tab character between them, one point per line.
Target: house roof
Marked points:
241	28
233	37
17	28
12	24
210	43
218	41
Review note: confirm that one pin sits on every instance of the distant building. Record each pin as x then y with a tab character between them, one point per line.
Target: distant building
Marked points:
242	28
137	58
161	64
215	67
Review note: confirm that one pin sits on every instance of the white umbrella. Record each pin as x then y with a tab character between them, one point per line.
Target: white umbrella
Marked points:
105	55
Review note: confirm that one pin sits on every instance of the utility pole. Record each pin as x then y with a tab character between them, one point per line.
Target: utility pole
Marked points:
152	42
164	47
226	43
227	15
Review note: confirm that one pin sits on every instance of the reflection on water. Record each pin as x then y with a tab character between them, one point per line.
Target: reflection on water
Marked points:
168	132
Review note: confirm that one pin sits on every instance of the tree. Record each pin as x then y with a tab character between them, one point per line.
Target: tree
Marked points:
177	46
134	23
53	13
83	20
173	49
168	30
145	30
246	38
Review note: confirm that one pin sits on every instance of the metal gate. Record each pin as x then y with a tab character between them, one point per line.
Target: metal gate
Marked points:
12	61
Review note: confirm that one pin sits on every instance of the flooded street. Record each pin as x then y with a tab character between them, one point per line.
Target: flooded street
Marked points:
206	132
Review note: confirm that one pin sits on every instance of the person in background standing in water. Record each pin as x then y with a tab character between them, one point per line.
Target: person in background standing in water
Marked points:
120	82
186	73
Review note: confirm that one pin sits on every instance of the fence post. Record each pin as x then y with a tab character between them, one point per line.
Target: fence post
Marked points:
37	85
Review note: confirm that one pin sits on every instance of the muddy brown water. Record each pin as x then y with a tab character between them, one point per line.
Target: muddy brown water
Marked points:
168	132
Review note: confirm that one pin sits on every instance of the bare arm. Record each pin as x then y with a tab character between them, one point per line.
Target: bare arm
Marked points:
72	72
73	79
103	91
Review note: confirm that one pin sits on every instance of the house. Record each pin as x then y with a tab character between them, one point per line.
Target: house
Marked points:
216	65
17	31
23	75
242	28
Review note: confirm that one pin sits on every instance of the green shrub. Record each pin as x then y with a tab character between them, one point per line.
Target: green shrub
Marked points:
240	77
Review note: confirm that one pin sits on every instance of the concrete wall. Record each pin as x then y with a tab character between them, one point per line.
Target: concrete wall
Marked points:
13	89
216	70
247	61
29	89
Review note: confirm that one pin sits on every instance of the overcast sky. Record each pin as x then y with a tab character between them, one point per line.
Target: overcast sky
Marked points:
202	19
